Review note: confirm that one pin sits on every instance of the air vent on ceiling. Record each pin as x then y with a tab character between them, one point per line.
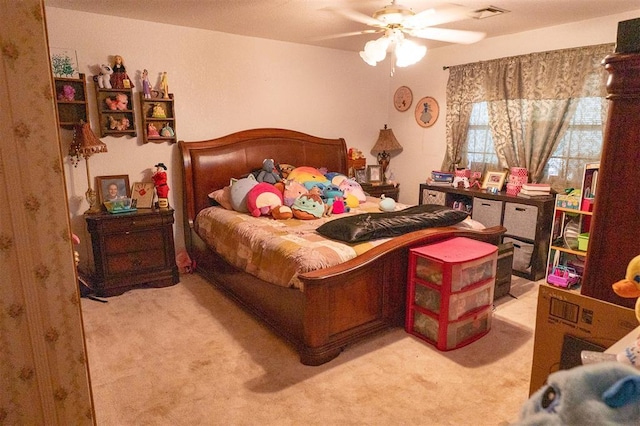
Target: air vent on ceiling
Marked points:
487	12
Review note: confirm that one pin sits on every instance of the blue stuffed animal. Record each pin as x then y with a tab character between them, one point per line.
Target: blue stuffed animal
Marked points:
605	393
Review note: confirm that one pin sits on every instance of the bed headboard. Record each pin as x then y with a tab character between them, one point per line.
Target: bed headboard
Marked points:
209	165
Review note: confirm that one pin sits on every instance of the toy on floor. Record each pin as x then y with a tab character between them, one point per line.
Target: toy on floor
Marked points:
604	393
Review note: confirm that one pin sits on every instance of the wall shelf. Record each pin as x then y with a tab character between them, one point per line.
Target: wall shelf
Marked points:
71	112
165	126
115	122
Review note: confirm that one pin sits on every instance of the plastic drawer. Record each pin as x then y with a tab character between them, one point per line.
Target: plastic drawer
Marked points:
461	304
427	298
458	333
487	212
520	220
462	275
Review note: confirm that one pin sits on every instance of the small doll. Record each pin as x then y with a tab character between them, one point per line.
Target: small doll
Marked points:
146	84
119	78
159	178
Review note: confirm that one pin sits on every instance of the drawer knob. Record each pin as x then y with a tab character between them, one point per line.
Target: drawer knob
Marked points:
137	262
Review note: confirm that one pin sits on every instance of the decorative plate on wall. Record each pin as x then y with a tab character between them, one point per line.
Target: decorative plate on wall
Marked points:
403	98
427	111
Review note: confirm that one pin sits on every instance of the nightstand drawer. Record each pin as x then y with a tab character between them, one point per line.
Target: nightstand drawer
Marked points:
131	223
134	241
136	261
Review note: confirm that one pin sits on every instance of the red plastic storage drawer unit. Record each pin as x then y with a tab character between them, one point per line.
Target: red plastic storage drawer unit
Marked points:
450	291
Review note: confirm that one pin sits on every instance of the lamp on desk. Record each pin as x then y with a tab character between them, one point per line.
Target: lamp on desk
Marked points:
85	143
386	145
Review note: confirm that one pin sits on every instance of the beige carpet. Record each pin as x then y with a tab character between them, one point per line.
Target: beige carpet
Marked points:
186	355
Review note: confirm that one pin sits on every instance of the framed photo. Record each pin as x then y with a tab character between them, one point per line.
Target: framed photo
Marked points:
361	175
142	195
374	174
113	187
494	179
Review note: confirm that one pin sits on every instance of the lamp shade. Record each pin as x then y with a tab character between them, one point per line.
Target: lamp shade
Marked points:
85	142
386	142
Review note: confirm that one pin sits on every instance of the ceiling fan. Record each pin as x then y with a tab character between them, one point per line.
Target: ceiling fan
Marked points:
395	20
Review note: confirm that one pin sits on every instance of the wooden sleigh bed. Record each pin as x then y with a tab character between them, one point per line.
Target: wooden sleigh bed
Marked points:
338	305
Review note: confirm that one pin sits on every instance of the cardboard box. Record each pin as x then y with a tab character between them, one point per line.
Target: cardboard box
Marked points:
567	318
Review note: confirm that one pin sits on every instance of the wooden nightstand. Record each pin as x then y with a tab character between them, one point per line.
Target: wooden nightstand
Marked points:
376	190
132	249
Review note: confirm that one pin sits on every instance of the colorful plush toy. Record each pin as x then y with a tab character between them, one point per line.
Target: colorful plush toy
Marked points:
387	204
269	172
118	102
308	206
351	187
605	393
290	190
262	198
305	174
282	212
285	169
238	192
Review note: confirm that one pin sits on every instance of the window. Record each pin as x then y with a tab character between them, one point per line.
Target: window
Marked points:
581	144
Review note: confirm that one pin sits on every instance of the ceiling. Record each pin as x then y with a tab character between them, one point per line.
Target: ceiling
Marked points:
316	22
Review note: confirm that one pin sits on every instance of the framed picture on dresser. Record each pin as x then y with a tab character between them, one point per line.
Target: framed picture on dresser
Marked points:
374	174
113	187
142	195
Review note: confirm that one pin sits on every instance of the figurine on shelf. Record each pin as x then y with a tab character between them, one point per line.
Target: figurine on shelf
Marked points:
104	78
152	131
146	84
167	131
159	178
119	78
68	93
119	125
118	102
158	111
164	86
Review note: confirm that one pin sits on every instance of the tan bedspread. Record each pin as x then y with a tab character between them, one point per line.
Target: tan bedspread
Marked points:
276	251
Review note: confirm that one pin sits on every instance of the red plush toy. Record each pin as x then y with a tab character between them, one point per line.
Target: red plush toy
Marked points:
263	198
160	181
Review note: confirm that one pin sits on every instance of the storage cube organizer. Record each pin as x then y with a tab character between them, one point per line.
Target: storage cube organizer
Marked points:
450	291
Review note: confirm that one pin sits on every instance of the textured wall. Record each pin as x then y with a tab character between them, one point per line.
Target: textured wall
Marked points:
43	366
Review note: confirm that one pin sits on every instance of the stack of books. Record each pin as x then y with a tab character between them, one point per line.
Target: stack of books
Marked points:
533	190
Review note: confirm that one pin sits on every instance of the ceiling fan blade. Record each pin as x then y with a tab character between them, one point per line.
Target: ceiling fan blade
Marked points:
448	35
356	16
351	34
433	17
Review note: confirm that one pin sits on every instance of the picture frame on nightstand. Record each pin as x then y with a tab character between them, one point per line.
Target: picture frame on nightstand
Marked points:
374	174
121	183
142	194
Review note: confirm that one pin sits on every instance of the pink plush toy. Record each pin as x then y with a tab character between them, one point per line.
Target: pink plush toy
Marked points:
68	93
351	187
118	102
263	198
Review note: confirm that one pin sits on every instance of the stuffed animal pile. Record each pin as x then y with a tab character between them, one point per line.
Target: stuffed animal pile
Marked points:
303	192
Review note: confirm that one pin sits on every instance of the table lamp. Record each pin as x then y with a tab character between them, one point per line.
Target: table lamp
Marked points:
386	145
85	143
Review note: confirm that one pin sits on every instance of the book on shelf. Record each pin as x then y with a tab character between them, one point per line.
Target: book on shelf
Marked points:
522	195
534	192
537	187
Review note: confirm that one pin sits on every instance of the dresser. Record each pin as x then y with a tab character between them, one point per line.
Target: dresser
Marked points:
386	189
132	249
528	221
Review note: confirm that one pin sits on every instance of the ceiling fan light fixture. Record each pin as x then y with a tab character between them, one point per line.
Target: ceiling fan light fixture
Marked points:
408	53
375	50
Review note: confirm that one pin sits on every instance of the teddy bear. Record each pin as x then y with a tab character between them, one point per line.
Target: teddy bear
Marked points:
117	102
269	173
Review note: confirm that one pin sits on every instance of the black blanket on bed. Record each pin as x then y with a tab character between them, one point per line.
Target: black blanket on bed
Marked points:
371	226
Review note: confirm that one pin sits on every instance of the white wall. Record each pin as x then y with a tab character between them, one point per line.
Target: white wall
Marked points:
424	148
222	83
